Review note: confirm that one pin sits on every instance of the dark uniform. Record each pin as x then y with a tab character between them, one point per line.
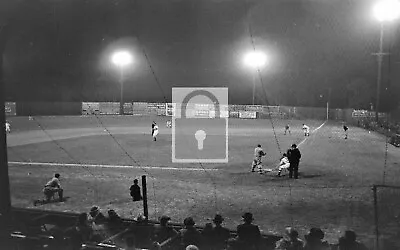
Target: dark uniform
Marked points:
294	156
345	128
135	191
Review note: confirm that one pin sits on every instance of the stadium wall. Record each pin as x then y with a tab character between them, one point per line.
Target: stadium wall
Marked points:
350	116
48	108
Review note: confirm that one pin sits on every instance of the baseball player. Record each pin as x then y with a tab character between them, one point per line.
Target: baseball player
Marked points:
8	127
306	130
287	128
154	131
345	128
258	153
283	164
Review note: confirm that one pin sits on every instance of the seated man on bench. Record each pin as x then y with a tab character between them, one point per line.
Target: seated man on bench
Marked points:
52	187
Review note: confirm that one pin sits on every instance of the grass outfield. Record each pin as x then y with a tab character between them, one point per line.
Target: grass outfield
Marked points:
333	192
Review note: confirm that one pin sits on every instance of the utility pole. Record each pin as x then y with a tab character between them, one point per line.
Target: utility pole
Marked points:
5	198
379	55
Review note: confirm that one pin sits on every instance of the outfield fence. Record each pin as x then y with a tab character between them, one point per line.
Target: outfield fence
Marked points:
350	116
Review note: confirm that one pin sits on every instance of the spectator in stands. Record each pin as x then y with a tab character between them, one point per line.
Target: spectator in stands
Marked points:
290	241
135	191
314	240
163	231
79	233
96	216
248	234
207	235
190	235
52	187
142	231
97	222
348	242
114	222
294	156
220	234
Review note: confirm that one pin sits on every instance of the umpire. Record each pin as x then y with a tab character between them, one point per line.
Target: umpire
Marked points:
294	156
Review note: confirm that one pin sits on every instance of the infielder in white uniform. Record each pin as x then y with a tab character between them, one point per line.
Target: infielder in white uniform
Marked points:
154	131
258	153
283	164
306	130
8	127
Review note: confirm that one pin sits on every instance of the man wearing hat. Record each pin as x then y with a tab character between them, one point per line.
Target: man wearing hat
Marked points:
135	191
52	187
220	234
163	231
190	235
258	154
314	240
294	156
248	234
290	241
349	242
96	216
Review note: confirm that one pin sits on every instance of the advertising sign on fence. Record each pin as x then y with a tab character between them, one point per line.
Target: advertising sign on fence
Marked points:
247	114
10	109
109	108
169	107
139	108
366	114
90	108
128	109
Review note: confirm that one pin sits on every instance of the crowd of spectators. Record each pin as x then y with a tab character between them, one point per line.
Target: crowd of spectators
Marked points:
98	231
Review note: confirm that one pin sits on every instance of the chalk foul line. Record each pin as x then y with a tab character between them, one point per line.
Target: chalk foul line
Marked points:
312	132
55	164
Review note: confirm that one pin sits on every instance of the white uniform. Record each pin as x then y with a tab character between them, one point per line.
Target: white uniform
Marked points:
8	127
284	164
258	153
306	130
155	132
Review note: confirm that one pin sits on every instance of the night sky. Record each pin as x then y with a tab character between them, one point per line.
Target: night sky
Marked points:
58	50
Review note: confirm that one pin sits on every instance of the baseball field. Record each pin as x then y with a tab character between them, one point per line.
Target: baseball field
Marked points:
99	156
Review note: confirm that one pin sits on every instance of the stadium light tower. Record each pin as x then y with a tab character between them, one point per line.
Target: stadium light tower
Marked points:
255	60
121	59
384	11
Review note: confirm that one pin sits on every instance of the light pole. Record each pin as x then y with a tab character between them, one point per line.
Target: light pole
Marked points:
384	11
255	60
121	59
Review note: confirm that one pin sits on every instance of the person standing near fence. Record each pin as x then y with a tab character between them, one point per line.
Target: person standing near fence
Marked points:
294	156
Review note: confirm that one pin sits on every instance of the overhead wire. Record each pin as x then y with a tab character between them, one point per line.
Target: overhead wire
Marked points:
166	101
250	31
